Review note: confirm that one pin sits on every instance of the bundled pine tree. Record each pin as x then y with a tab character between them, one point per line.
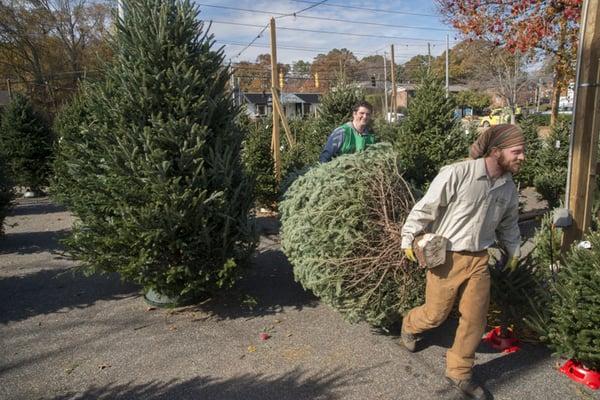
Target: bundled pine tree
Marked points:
341	224
26	144
574	327
430	136
150	160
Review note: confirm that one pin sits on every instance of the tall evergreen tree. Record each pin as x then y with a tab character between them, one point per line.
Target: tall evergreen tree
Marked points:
26	143
152	166
430	136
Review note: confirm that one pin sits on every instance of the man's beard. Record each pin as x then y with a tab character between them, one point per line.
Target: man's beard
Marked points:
507	166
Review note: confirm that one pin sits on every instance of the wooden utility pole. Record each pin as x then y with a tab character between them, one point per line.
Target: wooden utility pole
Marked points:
9	88
586	125
385	93
393	71
275	93
447	65
428	56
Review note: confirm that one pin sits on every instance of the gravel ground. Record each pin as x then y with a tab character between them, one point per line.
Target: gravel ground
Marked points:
67	336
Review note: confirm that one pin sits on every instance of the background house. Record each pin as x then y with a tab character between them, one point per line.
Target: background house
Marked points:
295	105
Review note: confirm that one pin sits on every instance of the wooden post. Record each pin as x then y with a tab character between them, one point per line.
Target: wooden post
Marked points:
385	94
447	66
275	92
428	56
284	121
9	88
393	71
586	126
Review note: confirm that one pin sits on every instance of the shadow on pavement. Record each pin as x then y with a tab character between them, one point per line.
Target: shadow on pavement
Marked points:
502	370
32	242
268	286
56	290
33	208
292	385
267	289
443	336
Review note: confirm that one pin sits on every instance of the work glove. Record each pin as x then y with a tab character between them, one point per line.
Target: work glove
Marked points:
513	263
410	254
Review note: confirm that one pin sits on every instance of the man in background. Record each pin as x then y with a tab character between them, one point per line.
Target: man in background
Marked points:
352	137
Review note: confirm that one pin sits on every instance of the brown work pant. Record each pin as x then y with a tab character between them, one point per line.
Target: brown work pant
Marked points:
464	274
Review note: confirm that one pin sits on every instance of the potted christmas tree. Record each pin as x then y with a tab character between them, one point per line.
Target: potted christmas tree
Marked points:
574	326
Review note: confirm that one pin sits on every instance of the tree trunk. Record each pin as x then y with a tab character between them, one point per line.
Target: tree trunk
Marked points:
556	90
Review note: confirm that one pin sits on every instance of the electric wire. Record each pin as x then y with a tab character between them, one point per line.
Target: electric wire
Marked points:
330	32
362	22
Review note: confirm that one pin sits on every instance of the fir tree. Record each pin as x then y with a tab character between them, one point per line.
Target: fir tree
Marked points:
341	225
25	143
552	164
430	137
336	106
574	328
533	144
258	163
152	165
6	194
546	259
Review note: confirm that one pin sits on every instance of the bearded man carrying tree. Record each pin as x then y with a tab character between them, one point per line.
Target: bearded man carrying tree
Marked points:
472	204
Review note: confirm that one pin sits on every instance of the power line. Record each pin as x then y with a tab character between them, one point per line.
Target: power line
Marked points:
309	7
324	18
307	49
284	47
331	32
379	10
253	40
267	25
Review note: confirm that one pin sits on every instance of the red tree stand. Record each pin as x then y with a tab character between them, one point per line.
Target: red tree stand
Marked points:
579	373
502	339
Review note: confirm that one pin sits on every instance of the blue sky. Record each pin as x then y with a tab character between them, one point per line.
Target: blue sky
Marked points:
408	24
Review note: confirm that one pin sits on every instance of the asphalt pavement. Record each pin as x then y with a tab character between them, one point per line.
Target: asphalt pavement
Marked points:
64	335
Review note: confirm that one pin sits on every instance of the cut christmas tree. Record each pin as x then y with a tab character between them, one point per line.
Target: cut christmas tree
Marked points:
6	194
341	224
26	144
151	167
574	326
430	137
